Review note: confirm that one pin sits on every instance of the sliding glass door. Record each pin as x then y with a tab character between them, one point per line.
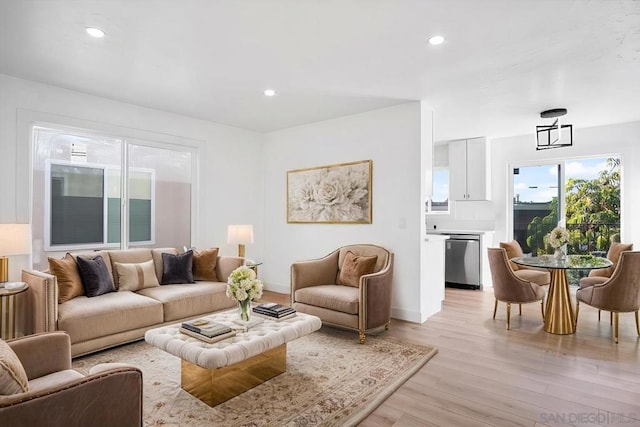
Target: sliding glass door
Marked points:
581	194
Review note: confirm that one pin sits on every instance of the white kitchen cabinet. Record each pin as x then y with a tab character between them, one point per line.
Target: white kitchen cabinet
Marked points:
468	169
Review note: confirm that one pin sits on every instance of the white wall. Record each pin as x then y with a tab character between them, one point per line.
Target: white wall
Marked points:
391	138
230	168
621	139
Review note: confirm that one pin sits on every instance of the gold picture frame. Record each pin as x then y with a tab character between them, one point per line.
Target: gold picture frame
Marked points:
331	194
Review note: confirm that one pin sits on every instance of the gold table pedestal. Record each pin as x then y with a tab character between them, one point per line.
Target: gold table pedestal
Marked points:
214	386
559	317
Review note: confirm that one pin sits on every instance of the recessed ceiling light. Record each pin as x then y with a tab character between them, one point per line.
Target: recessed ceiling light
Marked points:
435	40
95	32
269	92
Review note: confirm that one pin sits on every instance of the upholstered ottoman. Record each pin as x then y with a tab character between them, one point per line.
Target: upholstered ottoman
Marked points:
219	371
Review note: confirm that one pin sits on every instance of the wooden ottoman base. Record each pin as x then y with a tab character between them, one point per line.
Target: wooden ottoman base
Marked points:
214	386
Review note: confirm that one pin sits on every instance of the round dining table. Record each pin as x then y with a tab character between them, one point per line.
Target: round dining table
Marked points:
559	316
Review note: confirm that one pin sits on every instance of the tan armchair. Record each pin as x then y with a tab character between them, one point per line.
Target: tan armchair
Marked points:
111	395
510	288
538	276
618	294
363	306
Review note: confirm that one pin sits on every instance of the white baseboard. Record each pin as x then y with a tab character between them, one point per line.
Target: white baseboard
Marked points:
408	315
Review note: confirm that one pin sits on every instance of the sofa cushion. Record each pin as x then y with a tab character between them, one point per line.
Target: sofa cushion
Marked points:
67	277
88	318
353	267
135	276
177	269
157	259
126	256
334	297
13	378
182	301
204	265
96	279
513	250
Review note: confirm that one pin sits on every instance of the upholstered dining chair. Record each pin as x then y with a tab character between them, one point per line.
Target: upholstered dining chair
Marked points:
508	287
595	276
538	276
350	287
618	294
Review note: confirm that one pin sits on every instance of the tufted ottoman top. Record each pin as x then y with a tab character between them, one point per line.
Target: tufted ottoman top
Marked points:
258	339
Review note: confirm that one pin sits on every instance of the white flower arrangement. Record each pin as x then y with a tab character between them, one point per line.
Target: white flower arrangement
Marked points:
243	285
558	237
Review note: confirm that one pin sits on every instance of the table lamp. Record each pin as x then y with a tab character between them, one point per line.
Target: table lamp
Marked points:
15	239
240	235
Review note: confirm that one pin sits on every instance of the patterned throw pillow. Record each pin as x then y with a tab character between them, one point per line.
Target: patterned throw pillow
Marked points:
13	378
204	265
354	267
67	276
133	277
177	269
95	276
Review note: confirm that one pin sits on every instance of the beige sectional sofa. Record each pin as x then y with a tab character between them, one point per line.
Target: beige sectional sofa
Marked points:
119	317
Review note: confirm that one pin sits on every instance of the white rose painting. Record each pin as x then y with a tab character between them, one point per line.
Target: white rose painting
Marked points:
335	193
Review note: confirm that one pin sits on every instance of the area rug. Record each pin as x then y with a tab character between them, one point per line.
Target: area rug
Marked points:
331	380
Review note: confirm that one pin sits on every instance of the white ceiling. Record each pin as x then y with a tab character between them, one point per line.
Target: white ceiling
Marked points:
502	63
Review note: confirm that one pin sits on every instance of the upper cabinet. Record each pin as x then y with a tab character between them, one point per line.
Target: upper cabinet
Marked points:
468	169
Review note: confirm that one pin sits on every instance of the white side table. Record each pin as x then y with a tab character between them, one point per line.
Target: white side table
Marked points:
8	309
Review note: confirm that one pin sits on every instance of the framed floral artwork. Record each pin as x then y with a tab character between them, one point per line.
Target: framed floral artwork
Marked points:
338	193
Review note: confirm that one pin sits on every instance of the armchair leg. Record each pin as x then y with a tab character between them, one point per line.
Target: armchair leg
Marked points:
542	309
495	309
615	327
519	309
361	337
599	315
575	321
387	326
508	316
611	317
637	324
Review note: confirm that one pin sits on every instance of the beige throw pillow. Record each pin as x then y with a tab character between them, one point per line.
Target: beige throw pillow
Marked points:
13	378
204	265
68	277
133	277
354	267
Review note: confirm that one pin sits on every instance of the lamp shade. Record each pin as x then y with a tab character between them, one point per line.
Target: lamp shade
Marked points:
15	239
240	234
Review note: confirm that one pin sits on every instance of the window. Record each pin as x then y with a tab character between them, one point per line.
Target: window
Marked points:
85	183
440	200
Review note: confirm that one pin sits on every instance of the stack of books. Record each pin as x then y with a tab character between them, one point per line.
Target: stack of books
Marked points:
275	311
207	330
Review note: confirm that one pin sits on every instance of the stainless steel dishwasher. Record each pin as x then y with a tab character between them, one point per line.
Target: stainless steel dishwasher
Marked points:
462	261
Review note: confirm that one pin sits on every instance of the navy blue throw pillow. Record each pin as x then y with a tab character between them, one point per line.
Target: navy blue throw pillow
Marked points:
95	276
177	269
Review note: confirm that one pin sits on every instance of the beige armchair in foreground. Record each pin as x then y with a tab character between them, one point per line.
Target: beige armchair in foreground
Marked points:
111	395
350	287
510	288
618	294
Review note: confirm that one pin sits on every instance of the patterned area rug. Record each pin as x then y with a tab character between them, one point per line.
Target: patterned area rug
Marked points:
331	380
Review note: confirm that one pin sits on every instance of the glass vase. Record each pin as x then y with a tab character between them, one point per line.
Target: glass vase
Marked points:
244	310
558	254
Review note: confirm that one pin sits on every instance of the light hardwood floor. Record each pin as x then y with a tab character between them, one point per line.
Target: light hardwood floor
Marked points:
484	375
